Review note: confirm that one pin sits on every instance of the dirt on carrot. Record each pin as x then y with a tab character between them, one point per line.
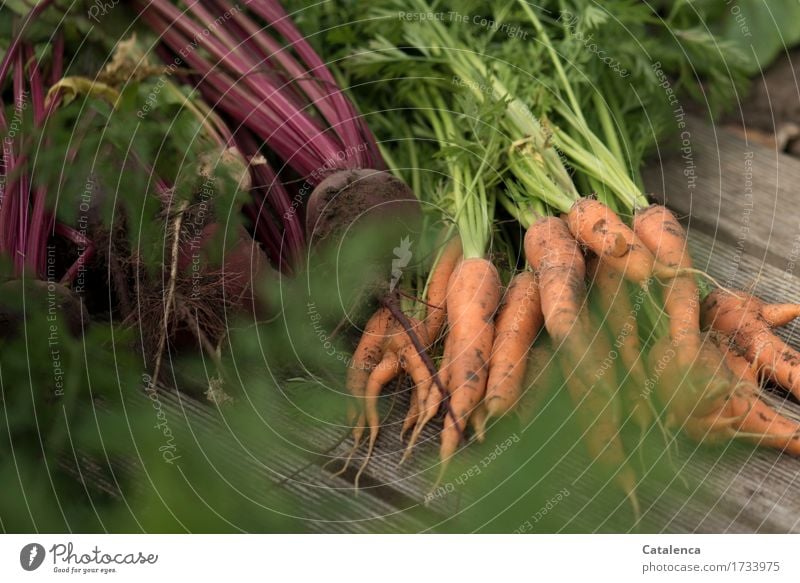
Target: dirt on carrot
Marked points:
741	317
599	228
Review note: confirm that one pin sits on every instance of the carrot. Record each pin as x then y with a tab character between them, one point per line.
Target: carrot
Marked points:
437	287
761	424
412	415
612	295
560	269
366	357
777	315
388	337
473	295
699	386
599	228
430	406
542	377
664	236
715	428
436	315
557	259
746	416
383	334
411	360
740	413
518	322
369	353
386	370
695	391
600	419
478	421
659	230
741	318
741	369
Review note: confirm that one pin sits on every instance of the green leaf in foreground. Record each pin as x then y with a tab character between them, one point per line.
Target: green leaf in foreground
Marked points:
762	29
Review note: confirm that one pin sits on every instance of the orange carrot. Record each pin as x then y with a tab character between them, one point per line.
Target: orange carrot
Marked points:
689	392
400	346
558	262
741	369
777	315
478	421
411	360
518	322
761	424
473	295
712	429
400	352
386	370
436	316
430	405
599	228
542	378
557	259
746	416
741	319
612	295
600	419
412	415
437	287
366	357
740	413
664	236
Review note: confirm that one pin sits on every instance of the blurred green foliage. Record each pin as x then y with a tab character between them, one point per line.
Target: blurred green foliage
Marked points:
761	29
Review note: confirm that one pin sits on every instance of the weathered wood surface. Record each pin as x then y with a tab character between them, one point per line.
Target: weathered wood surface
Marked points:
744	227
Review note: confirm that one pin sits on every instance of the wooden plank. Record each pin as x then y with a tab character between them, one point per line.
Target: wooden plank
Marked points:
414	478
740	193
327	502
324	503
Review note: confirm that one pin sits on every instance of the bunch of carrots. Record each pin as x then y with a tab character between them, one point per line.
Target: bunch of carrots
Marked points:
707	378
684	362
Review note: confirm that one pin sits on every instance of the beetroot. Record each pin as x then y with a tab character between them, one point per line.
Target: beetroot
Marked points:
370	223
350	198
